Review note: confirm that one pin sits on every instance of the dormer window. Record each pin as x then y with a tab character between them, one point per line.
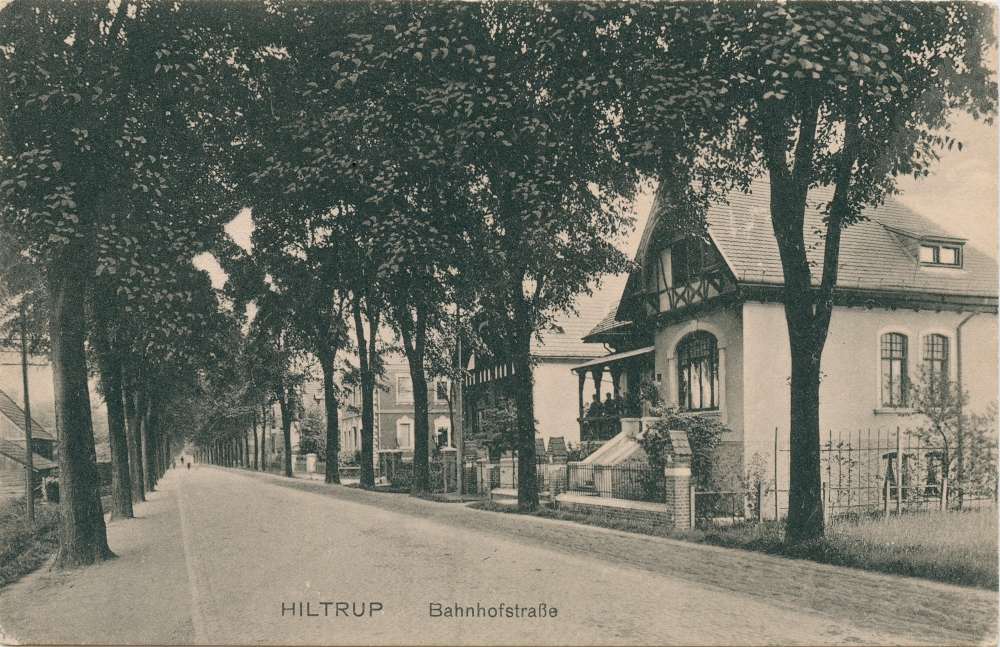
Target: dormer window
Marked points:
945	255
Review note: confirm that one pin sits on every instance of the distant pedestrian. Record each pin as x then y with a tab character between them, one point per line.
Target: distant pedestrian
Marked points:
189	465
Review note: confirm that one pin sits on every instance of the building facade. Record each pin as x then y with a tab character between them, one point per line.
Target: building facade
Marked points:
555	352
394	415
702	320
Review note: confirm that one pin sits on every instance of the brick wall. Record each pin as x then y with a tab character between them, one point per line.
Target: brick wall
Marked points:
639	512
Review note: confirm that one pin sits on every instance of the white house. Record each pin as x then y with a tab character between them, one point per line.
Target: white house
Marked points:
702	320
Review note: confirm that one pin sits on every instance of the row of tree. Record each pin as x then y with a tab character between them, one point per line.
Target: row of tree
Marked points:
408	161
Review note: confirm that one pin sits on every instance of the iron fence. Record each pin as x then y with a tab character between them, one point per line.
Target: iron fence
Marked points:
629	481
892	471
887	471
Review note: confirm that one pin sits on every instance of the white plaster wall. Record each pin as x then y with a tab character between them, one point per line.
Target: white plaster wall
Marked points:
851	381
557	399
727	327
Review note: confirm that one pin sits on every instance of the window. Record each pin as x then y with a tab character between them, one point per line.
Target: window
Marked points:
689	258
935	358
404	389
404	433
698	371
940	255
441	390
894	380
442	430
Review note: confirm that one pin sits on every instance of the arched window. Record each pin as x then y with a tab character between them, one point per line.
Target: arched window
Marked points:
894	379
698	371
935	359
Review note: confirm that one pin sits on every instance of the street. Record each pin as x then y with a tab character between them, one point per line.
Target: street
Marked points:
222	556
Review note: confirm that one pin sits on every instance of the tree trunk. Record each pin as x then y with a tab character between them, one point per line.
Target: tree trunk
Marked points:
132	444
256	446
414	340
367	399
109	365
523	381
144	441
153	434
808	322
285	403
263	438
805	496
121	480
327	360
82	534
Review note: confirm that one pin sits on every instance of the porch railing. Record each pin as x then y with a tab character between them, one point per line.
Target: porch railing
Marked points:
629	481
599	427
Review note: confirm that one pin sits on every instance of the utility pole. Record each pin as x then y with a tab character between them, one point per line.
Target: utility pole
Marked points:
29	464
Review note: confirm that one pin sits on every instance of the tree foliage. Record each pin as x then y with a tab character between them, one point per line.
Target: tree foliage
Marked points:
841	95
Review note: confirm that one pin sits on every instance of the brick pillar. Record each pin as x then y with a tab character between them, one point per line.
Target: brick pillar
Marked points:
677	478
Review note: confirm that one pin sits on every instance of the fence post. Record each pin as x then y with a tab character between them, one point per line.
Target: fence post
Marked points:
776	511
826	502
899	471
885	497
944	494
760	501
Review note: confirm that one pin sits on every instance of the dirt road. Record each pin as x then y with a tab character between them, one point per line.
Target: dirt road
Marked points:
231	557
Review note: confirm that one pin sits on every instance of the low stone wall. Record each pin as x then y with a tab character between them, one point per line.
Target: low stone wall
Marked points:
618	509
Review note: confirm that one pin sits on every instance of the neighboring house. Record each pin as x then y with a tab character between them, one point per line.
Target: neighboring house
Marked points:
702	320
394	417
13	457
43	400
556	389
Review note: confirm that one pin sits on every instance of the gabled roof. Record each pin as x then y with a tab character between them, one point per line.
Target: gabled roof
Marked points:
15	414
565	337
872	254
16	453
609	323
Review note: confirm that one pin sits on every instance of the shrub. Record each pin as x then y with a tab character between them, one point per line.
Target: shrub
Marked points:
23	549
498	431
312	433
704	434
348	458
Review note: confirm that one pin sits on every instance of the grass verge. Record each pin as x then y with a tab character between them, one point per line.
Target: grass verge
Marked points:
951	547
24	549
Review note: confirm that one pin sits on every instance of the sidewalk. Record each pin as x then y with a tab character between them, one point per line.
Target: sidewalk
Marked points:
143	597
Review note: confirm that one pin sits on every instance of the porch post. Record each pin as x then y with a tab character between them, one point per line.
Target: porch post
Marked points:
582	375
616	374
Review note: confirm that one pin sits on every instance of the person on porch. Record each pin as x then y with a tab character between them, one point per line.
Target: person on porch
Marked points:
596	410
610	406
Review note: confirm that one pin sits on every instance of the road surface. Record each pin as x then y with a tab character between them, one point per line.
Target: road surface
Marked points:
232	557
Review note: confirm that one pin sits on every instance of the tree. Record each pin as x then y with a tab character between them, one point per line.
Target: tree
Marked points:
312	433
840	95
478	94
103	109
966	443
551	188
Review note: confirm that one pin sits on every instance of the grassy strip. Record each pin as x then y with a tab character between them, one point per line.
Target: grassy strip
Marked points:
953	547
24	549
